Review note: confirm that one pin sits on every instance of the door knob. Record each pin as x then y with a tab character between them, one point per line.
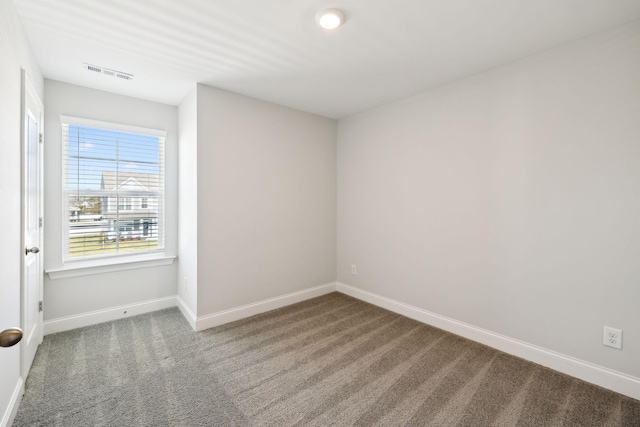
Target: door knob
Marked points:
10	337
33	250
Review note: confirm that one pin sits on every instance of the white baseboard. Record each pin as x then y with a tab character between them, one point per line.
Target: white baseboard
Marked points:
226	316
14	403
595	374
100	316
186	312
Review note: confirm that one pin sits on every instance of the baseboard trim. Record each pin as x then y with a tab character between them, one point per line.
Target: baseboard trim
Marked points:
186	312
226	316
595	374
100	316
11	411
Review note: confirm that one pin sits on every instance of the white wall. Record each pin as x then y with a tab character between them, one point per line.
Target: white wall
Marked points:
266	200
188	201
77	295
508	201
15	54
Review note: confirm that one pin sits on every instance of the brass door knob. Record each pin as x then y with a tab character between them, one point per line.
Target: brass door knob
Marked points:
10	337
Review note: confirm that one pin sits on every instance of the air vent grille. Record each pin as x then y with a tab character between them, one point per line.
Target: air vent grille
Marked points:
109	72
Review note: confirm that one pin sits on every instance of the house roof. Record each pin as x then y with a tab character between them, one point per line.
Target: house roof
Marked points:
130	181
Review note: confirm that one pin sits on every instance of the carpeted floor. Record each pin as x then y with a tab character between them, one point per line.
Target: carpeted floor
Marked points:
332	360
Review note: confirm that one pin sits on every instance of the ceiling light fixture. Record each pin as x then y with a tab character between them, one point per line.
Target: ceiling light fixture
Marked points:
330	19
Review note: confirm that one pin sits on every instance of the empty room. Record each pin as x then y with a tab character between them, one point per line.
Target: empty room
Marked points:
314	213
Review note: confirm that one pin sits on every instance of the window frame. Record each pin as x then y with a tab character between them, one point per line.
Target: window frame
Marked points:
110	261
125	203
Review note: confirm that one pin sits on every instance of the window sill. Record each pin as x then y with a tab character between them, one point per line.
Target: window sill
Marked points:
109	266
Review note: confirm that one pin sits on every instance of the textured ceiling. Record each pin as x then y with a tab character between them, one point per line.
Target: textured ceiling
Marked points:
273	50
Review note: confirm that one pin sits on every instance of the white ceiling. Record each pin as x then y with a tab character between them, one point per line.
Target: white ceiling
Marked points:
273	50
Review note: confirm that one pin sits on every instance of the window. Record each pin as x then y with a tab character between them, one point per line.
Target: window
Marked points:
113	190
124	203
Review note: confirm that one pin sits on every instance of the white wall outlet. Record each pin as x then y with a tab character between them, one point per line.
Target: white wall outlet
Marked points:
612	337
354	269
184	283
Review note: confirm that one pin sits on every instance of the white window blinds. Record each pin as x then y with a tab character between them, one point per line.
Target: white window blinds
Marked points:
113	190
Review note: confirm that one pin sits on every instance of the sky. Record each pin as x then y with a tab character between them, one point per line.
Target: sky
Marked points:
92	151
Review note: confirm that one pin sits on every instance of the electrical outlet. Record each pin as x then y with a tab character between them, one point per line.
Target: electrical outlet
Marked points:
612	337
184	283
354	269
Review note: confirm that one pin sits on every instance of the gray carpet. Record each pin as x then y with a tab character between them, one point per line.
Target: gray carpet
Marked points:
332	360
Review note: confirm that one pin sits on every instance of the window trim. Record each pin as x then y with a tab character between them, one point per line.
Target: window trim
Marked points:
112	126
109	262
110	265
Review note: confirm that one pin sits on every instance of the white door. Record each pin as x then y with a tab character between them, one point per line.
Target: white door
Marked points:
32	277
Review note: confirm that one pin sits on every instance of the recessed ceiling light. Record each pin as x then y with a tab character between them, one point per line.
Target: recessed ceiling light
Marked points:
330	19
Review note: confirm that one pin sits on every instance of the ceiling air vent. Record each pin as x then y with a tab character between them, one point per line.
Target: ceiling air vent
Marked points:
108	72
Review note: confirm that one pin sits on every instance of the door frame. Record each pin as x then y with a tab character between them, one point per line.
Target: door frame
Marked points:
27	90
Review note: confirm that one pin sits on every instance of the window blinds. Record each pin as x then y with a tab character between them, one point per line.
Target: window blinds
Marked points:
113	191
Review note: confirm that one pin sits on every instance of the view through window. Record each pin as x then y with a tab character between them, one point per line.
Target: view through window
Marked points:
114	188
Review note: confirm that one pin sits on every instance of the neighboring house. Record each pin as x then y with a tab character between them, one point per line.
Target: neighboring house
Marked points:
132	208
74	213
